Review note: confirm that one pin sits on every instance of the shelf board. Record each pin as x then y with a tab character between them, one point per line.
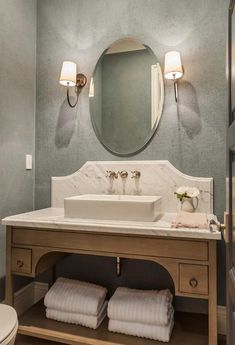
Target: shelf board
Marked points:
189	329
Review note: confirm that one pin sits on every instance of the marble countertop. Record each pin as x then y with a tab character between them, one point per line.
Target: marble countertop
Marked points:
53	218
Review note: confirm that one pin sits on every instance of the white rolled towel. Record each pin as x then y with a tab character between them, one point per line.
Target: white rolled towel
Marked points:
142	306
75	296
155	332
90	321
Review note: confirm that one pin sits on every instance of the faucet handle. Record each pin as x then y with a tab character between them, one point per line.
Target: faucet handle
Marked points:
123	173
136	174
111	174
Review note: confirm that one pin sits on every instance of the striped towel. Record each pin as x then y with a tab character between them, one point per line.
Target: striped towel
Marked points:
90	321
150	307
155	332
75	296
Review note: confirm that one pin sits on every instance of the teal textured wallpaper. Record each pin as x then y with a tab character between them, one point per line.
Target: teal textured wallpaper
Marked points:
191	135
17	111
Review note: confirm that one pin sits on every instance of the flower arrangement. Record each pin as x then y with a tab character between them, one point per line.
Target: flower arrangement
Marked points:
185	192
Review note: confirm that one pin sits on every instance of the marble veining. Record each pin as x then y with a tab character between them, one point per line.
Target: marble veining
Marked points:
53	218
157	178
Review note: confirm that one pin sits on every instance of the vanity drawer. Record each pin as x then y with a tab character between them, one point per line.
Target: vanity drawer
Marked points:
21	260
193	279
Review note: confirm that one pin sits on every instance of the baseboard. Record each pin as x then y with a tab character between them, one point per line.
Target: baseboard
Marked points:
33	292
29	295
221	319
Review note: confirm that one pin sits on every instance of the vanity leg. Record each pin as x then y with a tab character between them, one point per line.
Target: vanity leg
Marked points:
9	293
212	306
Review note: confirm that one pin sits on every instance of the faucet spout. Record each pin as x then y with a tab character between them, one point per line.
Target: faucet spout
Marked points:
123	174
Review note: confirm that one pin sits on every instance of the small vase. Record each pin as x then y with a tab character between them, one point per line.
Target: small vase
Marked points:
188	205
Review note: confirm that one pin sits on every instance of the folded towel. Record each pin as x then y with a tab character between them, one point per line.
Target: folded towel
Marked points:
143	306
90	321
75	296
190	220
160	333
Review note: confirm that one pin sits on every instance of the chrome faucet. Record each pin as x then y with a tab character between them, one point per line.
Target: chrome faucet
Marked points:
111	174
136	177
123	174
136	174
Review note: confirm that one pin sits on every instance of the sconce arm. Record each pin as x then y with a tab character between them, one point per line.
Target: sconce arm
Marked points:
176	90
68	98
81	82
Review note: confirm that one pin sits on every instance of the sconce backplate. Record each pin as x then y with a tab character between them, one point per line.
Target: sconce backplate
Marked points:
81	80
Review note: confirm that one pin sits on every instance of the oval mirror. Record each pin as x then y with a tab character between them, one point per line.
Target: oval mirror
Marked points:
126	96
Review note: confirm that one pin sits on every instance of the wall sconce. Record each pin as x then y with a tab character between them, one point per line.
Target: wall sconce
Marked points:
70	78
173	69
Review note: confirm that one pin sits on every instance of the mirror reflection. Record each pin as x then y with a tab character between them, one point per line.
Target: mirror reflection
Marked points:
126	96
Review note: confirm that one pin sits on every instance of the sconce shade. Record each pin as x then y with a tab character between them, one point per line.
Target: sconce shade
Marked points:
173	66
68	73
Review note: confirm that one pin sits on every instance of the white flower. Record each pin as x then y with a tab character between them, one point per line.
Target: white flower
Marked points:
192	192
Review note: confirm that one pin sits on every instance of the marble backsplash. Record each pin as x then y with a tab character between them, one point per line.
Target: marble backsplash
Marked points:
157	178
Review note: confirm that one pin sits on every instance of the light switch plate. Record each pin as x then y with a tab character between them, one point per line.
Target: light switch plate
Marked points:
28	162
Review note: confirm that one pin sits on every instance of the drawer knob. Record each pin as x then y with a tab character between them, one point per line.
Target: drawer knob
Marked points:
193	282
20	263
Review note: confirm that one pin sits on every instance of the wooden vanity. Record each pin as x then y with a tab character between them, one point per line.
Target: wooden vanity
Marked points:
191	262
37	240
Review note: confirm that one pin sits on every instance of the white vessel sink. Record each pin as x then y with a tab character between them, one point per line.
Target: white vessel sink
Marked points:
113	207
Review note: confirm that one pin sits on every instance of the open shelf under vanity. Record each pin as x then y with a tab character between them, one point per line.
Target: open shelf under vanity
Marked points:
189	329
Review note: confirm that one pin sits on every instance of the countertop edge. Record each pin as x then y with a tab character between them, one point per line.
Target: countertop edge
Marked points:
122	229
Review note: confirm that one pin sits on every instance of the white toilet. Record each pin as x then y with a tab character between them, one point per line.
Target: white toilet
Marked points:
8	325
